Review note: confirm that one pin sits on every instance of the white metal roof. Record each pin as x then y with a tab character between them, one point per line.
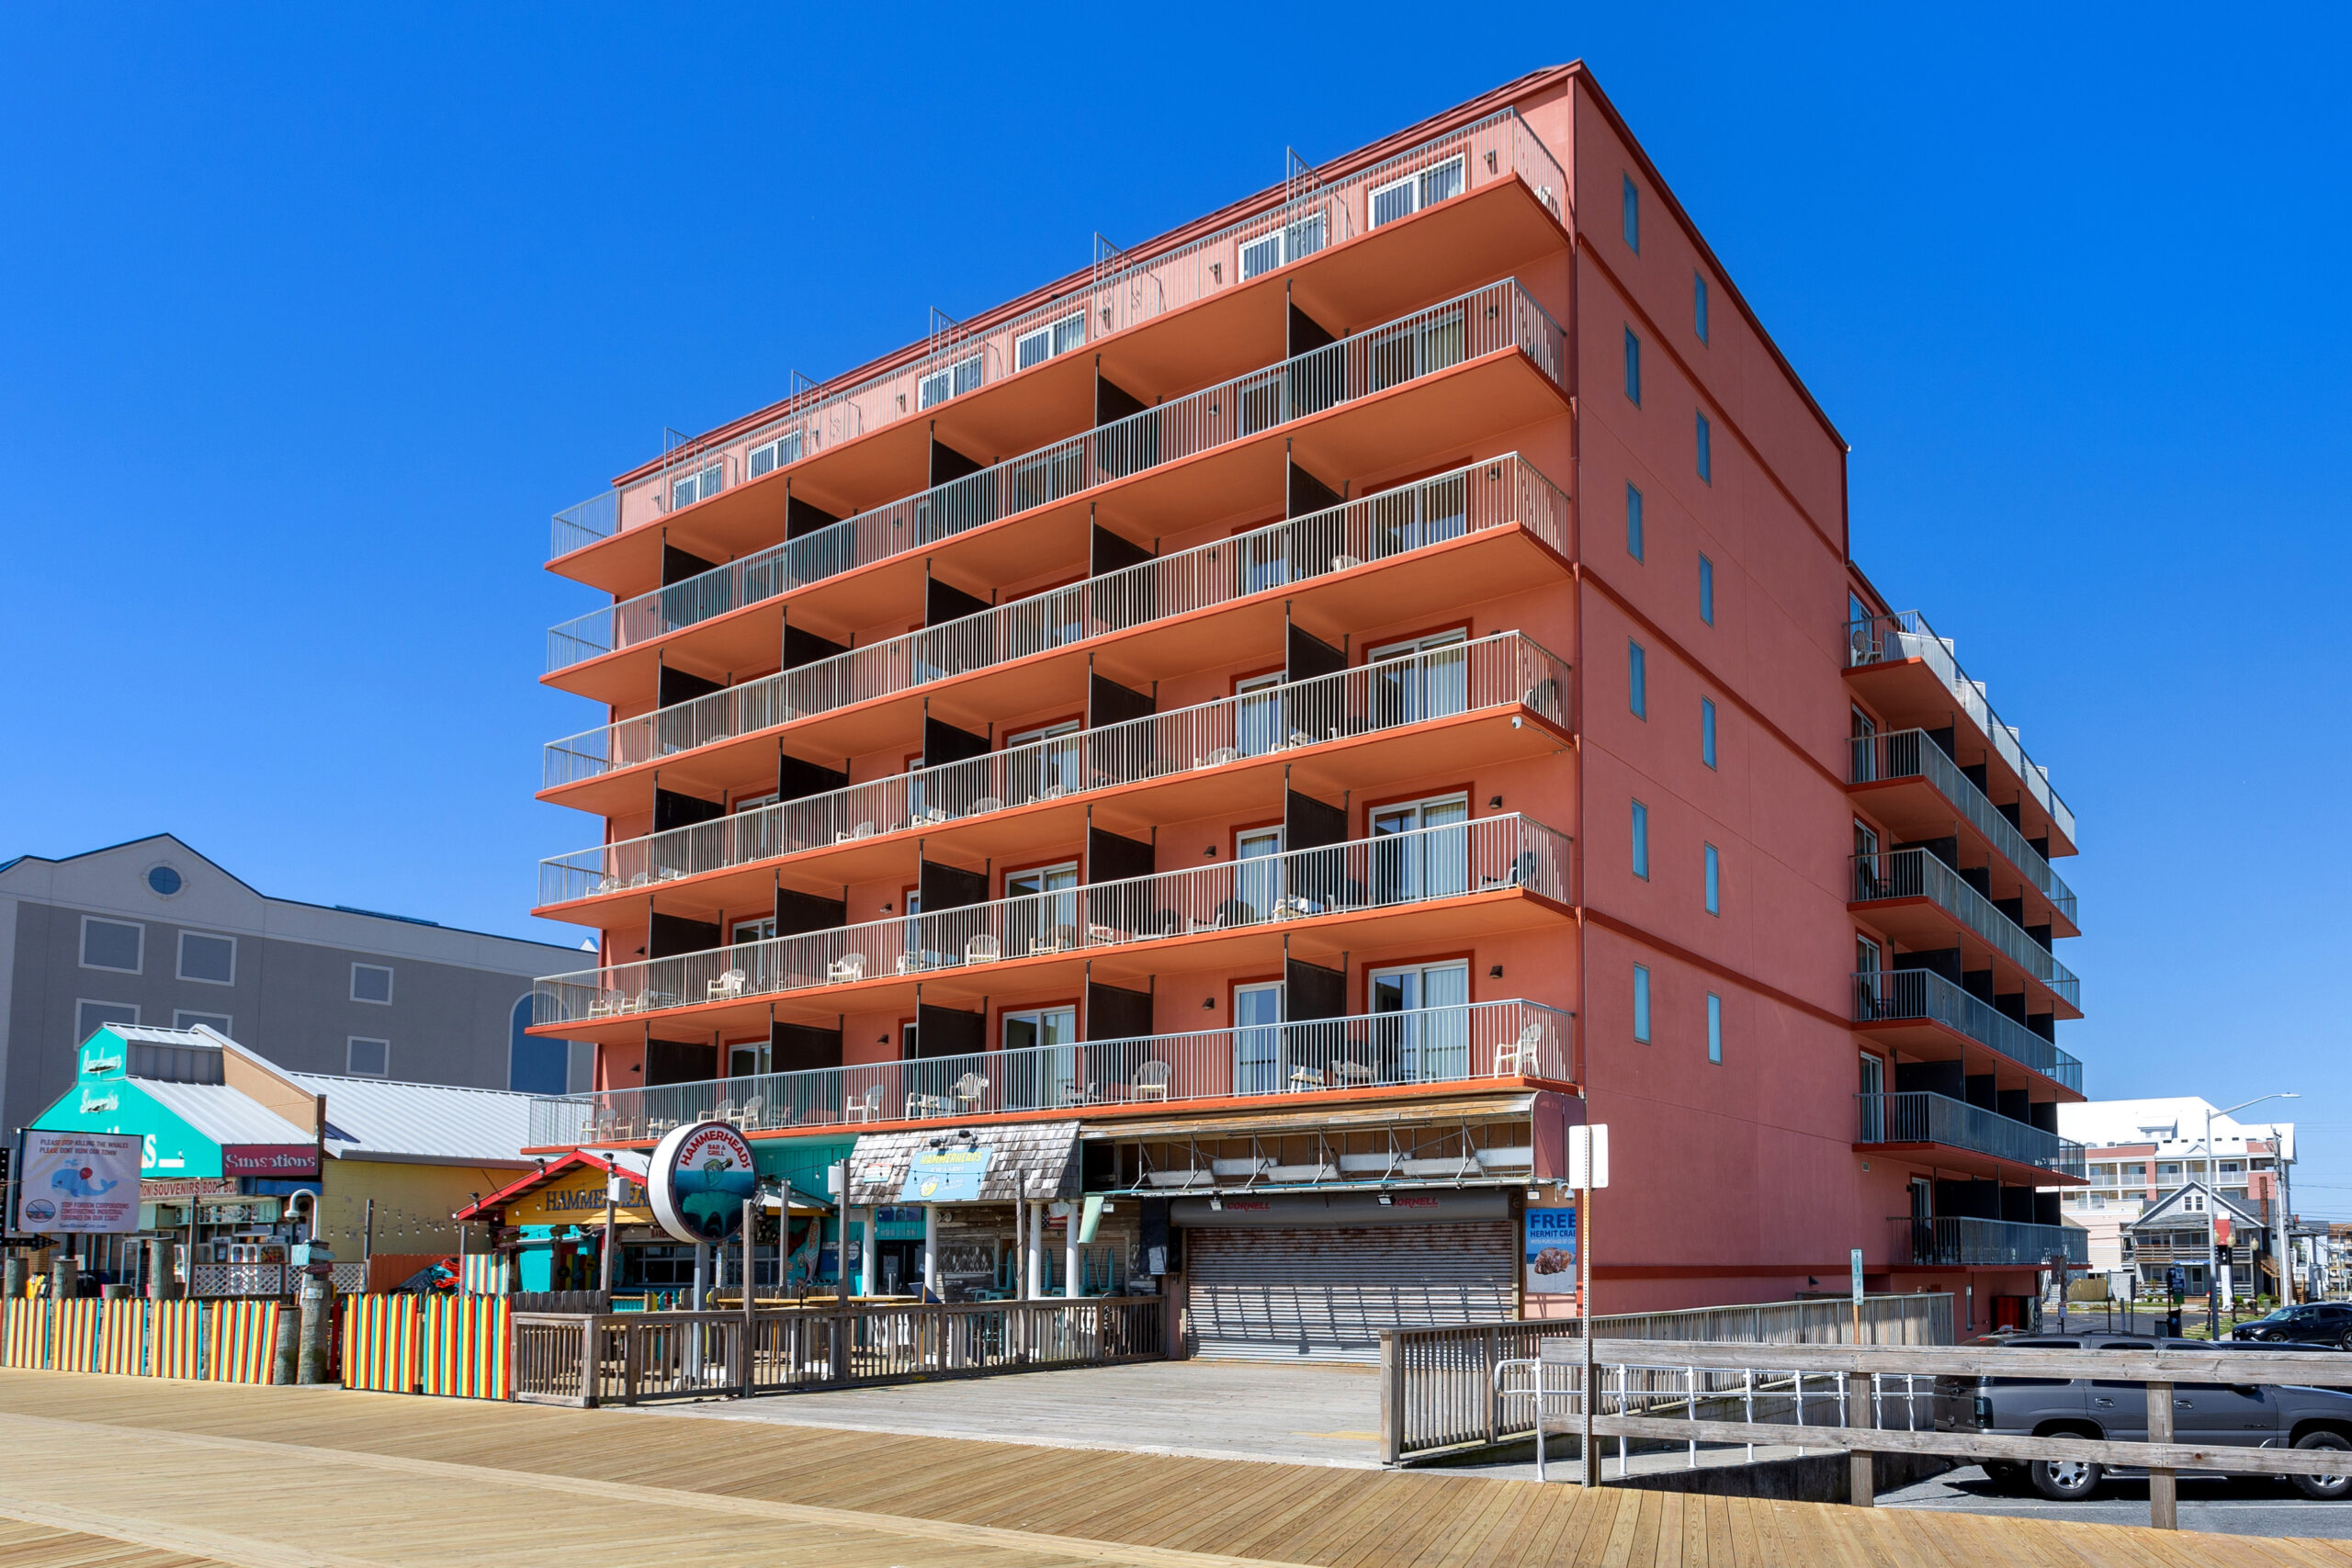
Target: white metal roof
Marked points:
223	1114
375	1119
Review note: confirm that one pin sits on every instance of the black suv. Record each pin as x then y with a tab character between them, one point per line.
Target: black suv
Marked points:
2266	1415
2320	1322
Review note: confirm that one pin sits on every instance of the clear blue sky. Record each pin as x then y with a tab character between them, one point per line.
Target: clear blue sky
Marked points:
309	319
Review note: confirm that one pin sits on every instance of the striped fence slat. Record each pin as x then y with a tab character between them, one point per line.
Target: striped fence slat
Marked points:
122	1337
24	1333
73	1335
380	1335
238	1348
175	1340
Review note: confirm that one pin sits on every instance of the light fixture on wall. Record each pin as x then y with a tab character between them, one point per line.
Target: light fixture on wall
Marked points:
1208	1004
1209	853
1494	803
1496	973
886	908
1385	1201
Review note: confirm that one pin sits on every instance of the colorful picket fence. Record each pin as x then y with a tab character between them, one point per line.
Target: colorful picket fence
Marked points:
459	1346
228	1341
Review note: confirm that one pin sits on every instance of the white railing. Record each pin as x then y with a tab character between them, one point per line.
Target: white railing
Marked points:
1488	854
1482	1039
1500	315
1490	494
1118	295
1505	669
1880	639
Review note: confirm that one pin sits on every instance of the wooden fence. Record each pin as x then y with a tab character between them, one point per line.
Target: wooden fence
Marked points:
626	1357
219	1341
460	1346
1437	1385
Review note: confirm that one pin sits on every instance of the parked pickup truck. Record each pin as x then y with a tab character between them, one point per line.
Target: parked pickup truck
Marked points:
2267	1416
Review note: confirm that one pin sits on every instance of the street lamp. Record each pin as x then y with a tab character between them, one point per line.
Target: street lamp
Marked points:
2213	1195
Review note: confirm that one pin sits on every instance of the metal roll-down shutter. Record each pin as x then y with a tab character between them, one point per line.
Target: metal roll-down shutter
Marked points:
1325	1295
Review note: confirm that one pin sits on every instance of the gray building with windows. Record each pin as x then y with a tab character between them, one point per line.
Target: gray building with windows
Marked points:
151	932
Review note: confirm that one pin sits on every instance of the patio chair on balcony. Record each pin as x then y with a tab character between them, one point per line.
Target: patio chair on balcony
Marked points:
969	1090
1096	932
862	830
1351	1073
748	1117
983	949
1061	939
1150	1081
603	1004
1345	562
723	1111
844	970
603	1129
867	1107
987	803
919	1105
1219	757
1305	1077
728	984
1517	1057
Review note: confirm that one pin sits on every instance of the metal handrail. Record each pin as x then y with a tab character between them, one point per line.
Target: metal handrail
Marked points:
1312	217
1878	639
1917	873
1913	753
1482	1040
1504	669
1486	854
1886	995
1916	1116
1948	1241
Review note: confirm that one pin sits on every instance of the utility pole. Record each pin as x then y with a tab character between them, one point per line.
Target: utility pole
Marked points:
2214	1196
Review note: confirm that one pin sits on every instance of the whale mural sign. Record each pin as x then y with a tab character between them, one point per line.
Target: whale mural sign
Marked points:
699	1177
85	1182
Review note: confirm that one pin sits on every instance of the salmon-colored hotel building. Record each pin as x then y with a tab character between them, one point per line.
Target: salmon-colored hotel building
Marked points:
1273	728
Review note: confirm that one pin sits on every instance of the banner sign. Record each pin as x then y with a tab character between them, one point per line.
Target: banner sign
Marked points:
283	1160
178	1188
701	1175
85	1182
944	1175
1552	1252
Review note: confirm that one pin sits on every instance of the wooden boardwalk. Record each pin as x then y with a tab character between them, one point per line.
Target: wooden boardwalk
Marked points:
151	1474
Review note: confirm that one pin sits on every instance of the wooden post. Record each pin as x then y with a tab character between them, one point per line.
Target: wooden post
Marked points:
745	1380
1494	1399
2163	1488
630	1356
1391	1398
1862	1487
591	1366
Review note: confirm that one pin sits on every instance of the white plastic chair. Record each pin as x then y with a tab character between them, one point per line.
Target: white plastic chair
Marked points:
841	971
867	1107
983	949
728	984
1520	1054
969	1089
1150	1081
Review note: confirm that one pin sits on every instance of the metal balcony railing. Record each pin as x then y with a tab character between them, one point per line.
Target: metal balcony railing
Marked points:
1500	315
1947	1242
1918	1117
1505	669
1879	639
1487	854
1916	873
1265	560
1899	994
1439	1044
1913	753
1120	293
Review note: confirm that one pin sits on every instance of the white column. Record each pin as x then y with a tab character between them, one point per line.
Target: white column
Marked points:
1070	1253
1033	1265
866	1256
931	1248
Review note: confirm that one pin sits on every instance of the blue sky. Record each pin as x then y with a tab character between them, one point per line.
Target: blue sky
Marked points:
312	318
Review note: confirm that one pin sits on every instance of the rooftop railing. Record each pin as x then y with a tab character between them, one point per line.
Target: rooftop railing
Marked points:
1953	1242
1919	1117
1440	1044
1916	873
1913	753
1880	639
1481	496
1500	315
1505	669
1120	294
1487	854
1891	995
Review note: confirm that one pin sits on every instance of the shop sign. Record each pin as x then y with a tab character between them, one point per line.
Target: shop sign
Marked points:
85	1182
578	1197
269	1159
1552	1252
170	1189
944	1175
700	1176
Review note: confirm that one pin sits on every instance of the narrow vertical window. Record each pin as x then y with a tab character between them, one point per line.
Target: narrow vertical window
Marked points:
1633	522
1698	304
1706	450
1632	368
1642	1003
1707	730
1641	840
1637	680
1715	1028
1706	591
1632	217
1714	880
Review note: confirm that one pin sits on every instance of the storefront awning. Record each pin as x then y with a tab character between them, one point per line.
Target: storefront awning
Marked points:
984	1164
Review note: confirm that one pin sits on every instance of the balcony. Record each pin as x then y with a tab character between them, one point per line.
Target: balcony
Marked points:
1887	880
1356	728
1450	883
1881	652
1880	764
1966	1136
1312	217
1914	1006
1154	1074
1469	531
1337	376
1959	1243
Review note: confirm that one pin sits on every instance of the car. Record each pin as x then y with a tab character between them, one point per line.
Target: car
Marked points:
2314	1323
2266	1415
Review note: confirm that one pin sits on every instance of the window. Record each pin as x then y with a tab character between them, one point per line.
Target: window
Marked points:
91	1017
1258	712
747	931
1642	1003
700	485
1060	337
1257	1037
1050	763
219	1021
1641	840
950	381
1632	368
112	944
1637	680
768	457
1399	198
1278	247
1633	522
1046	1073
371	983
1715	1028
1431	1042
370	1059
163	881
1698	304
1632	217
1706	591
1714	880
211	959
1435	683
1707	730
1706	450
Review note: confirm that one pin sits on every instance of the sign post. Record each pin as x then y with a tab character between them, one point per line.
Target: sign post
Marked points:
1587	1170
